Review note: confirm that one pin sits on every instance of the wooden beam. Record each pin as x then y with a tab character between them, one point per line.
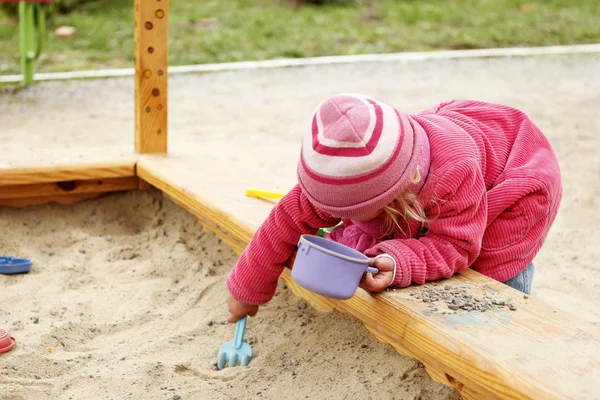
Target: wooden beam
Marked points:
64	192
59	199
73	187
34	174
58	176
151	36
143	185
536	352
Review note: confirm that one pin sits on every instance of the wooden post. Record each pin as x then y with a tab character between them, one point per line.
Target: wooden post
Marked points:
151	36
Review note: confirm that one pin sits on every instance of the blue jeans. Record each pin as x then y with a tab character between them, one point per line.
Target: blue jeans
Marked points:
522	281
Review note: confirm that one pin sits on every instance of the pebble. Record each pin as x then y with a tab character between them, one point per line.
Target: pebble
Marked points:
82	251
211	323
35	320
53	312
108	238
176	397
302	305
10	366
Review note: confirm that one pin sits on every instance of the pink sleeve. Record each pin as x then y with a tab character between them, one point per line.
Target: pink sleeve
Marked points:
253	280
453	240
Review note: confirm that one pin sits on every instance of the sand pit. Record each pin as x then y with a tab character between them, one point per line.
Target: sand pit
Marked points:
128	293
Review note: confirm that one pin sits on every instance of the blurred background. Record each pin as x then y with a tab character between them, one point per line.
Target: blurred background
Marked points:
212	31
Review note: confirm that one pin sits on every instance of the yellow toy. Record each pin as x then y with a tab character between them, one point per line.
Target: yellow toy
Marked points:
263	194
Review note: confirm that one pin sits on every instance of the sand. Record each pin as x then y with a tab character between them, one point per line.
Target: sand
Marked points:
105	304
126	299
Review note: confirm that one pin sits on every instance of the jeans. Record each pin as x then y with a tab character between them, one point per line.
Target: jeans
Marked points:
522	282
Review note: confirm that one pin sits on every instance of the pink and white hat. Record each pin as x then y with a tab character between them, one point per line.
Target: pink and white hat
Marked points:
359	155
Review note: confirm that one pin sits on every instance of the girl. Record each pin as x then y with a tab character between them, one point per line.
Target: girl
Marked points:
462	184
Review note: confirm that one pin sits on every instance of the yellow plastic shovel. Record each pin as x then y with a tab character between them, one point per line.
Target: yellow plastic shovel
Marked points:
264	194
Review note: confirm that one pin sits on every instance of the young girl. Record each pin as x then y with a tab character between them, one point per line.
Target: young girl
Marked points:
462	184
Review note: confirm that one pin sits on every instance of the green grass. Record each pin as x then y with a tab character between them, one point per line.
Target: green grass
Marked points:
267	29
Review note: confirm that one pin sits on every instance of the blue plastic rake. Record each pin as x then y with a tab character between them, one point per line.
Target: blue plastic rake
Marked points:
235	350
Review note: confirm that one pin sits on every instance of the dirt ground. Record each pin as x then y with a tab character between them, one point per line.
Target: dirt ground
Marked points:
96	301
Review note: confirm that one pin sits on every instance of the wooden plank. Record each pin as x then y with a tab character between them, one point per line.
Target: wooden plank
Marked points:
58	199
536	352
68	188
65	176
143	185
151	35
67	172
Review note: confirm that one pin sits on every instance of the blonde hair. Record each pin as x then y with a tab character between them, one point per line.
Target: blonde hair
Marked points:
405	206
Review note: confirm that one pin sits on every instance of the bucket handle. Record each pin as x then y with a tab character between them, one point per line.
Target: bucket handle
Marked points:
372	270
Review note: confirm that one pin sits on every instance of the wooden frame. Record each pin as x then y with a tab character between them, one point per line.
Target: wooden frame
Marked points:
65	191
536	352
65	183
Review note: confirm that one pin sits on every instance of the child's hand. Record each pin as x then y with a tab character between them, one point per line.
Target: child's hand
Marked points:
378	282
238	310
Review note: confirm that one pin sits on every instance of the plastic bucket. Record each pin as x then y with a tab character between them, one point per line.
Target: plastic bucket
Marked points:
329	268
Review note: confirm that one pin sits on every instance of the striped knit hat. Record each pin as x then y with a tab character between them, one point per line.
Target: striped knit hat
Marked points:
359	155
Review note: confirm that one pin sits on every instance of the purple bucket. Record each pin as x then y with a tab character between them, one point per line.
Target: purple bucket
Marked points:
328	268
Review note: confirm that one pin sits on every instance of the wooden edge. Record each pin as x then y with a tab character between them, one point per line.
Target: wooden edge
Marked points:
472	373
67	192
74	187
143	185
67	172
38	201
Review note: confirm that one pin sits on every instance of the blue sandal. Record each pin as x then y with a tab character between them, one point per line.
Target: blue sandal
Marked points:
11	265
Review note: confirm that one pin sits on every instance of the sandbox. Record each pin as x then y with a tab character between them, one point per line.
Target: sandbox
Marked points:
133	304
126	299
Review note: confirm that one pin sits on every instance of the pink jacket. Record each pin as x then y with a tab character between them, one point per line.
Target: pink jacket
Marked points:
492	192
